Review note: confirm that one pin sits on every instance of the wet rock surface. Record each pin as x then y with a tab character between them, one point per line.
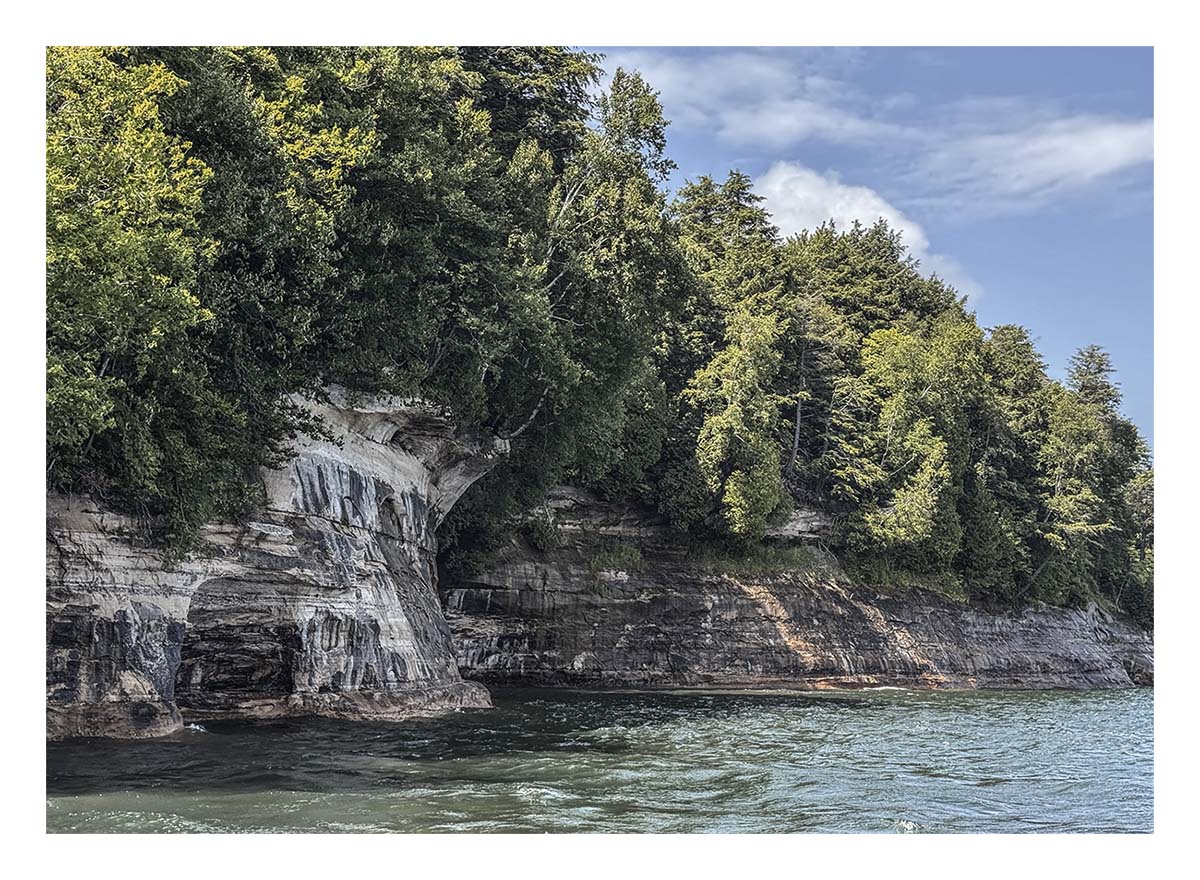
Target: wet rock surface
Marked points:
322	603
664	619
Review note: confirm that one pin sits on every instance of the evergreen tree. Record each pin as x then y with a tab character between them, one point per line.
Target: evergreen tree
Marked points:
231	231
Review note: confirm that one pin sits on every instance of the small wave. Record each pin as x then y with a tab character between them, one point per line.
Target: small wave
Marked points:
198	728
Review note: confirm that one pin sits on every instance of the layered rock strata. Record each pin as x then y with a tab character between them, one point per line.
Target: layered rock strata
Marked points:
619	604
324	602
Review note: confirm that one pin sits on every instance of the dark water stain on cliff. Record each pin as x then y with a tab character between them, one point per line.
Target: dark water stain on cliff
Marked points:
587	761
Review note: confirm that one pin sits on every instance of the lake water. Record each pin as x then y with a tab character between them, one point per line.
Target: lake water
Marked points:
862	761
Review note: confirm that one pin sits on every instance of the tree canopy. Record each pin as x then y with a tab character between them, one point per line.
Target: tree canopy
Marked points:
229	229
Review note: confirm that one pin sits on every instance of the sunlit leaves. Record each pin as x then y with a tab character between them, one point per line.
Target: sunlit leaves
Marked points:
123	244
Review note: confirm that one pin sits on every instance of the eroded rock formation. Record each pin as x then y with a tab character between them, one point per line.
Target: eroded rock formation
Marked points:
649	615
322	603
325	603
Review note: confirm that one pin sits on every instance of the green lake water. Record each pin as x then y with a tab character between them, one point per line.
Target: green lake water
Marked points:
546	760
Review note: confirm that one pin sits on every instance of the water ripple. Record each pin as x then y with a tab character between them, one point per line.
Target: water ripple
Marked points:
876	761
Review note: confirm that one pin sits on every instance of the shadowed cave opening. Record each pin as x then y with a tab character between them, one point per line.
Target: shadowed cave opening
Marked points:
242	647
230	652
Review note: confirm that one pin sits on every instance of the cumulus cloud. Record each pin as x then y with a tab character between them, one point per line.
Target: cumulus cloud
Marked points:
800	198
974	156
968	157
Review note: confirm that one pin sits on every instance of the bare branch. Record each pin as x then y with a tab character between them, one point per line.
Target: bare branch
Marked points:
512	435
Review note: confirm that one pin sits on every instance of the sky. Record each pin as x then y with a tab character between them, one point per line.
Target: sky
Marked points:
1022	176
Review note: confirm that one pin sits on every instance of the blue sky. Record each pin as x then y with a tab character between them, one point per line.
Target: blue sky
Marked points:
1024	176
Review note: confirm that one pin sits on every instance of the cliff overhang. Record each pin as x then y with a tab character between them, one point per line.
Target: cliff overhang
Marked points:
322	603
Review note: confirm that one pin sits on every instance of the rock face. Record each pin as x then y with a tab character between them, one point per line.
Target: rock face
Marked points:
322	603
649	616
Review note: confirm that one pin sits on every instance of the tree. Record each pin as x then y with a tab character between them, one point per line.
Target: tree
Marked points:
305	216
729	407
1006	434
736	452
124	248
1136	588
1089	377
535	93
905	469
593	258
232	230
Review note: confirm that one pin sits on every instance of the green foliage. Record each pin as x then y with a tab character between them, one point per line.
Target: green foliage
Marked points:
901	452
541	531
123	250
1088	376
573	382
682	493
232	230
724	358
1136	581
760	558
613	554
541	93
884	574
735	451
618	470
229	229
827	369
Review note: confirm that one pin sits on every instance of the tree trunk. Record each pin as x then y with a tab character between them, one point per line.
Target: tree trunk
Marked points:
795	436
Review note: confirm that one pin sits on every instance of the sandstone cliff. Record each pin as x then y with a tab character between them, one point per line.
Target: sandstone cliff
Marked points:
322	603
325	603
617	604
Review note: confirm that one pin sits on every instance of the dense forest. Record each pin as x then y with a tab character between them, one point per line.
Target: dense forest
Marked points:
232	229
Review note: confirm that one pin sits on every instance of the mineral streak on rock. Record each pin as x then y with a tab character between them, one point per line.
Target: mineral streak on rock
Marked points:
323	603
670	620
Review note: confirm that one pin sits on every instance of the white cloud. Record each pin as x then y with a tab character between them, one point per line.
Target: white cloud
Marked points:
800	198
696	87
1023	168
782	122
754	96
974	156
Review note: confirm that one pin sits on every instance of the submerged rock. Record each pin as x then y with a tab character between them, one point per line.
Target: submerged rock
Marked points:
322	603
642	613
